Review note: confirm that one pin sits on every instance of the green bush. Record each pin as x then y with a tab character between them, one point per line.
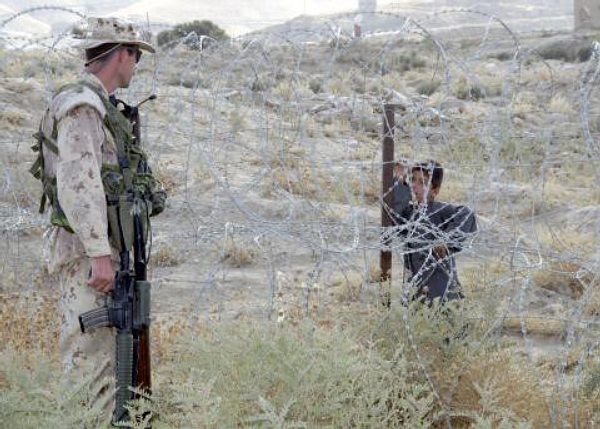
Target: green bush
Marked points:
428	87
569	50
408	368
201	28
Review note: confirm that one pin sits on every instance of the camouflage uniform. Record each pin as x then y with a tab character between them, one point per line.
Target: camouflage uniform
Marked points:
75	118
84	144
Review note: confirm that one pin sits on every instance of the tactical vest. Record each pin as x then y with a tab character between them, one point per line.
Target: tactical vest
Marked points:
128	185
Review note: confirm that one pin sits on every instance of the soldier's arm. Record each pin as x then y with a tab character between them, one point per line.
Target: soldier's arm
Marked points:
79	183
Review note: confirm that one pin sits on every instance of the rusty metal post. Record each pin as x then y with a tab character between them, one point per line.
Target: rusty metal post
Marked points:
385	257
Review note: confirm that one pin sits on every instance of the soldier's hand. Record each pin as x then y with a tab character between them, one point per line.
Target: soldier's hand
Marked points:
103	274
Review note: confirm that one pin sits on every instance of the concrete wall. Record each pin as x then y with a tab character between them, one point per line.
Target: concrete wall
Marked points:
587	14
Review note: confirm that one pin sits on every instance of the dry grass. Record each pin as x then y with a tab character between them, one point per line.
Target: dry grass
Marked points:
560	104
13	119
563	271
237	121
167	256
523	104
486	382
495	383
347	287
167	176
29	321
238	255
564	277
534	325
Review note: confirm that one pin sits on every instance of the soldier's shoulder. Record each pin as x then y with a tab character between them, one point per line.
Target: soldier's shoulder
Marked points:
74	95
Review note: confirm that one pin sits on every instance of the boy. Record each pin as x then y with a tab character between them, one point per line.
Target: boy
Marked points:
433	232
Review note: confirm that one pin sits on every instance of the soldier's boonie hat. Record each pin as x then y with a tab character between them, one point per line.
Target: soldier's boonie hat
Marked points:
100	31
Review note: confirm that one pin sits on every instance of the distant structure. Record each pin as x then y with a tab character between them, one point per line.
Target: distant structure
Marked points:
367	6
587	15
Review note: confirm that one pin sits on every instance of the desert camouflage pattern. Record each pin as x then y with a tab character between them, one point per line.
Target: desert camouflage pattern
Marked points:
84	144
88	356
99	31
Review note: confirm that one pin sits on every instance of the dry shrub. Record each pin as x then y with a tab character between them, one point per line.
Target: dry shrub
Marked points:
493	84
337	128
466	90
394	80
365	150
365	187
524	103
437	99
560	104
477	377
297	182
238	255
237	121
166	256
496	384
166	332
427	87
346	287
563	270
30	321
289	91
283	155
455	190
341	85
564	277
566	49
537	72
166	176
298	376
12	118
556	193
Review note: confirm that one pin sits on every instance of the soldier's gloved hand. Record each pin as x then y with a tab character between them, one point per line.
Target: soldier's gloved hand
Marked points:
103	274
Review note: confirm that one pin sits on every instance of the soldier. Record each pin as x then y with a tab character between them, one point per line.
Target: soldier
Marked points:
433	232
80	145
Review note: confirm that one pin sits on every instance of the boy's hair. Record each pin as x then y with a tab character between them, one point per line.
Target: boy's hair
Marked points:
433	170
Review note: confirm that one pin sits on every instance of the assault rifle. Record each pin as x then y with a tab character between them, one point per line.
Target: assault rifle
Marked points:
128	310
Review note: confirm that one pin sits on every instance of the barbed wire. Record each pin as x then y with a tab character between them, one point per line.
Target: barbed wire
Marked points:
270	147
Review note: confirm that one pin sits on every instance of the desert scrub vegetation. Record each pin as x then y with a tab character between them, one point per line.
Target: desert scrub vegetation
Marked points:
566	49
563	253
465	90
411	367
347	286
166	256
238	254
28	322
406	60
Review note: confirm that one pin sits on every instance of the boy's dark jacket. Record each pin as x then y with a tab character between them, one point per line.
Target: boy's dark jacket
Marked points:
425	227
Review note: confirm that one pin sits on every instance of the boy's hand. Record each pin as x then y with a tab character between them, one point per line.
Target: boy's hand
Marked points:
400	170
440	252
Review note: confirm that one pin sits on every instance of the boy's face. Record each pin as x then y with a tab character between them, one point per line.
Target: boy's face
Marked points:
422	188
